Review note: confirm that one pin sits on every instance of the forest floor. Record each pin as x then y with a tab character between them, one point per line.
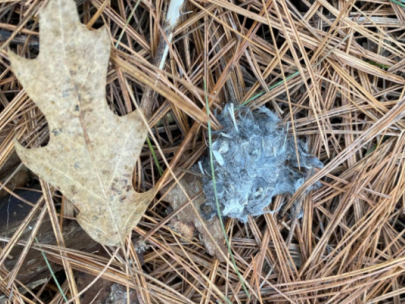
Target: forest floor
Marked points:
332	70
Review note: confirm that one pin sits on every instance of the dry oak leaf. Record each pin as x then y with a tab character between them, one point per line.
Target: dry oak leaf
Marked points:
91	152
187	220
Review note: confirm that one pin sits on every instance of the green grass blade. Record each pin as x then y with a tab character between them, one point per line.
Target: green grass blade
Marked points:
52	273
216	196
154	156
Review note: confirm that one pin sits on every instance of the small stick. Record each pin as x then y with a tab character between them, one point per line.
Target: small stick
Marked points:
172	19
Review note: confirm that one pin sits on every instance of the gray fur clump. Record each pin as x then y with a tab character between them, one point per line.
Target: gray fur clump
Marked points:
254	160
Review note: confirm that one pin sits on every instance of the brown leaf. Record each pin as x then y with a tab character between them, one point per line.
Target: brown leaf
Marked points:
92	152
187	218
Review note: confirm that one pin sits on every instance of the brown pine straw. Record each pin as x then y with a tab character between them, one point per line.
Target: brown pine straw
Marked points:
333	70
